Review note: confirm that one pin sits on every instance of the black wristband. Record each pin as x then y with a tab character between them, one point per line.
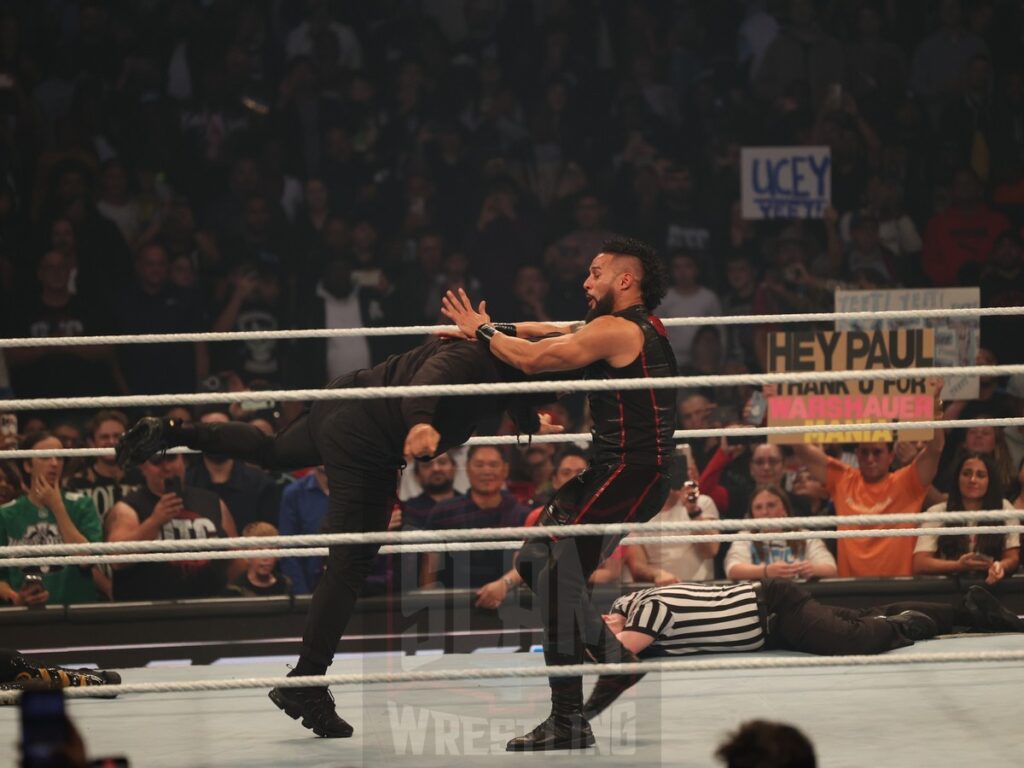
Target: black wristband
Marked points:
485	332
509	329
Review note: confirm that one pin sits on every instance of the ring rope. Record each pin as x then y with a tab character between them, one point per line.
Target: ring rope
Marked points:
569	670
420	330
474	546
580	437
502	388
517	533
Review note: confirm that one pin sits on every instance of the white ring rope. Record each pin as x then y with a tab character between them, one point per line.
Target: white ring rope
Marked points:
474	546
420	330
569	670
501	388
516	533
586	437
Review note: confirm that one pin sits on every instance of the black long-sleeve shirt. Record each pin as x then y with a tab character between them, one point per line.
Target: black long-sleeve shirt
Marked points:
382	424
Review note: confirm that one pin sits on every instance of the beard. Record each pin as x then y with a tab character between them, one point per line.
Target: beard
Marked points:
438	486
602	306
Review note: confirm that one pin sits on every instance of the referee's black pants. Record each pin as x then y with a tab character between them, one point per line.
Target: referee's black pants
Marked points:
362	485
557	570
801	623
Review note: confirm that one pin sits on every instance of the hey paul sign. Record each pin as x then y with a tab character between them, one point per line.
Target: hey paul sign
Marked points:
785	182
812	403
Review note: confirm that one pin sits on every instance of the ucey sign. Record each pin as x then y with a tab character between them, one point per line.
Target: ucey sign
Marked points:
785	182
815	403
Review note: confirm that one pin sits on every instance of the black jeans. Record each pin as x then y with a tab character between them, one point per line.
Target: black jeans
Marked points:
362	493
557	570
801	623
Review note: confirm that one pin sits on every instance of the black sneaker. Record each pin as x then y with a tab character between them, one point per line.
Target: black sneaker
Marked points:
914	625
988	614
140	442
316	708
559	731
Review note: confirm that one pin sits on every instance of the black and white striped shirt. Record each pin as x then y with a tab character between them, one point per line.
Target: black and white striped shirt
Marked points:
694	618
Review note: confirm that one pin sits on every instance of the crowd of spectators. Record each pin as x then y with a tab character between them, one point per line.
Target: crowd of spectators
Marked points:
50	500
178	165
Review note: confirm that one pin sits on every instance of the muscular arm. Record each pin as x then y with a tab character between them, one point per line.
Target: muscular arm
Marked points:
533	330
612	339
123	525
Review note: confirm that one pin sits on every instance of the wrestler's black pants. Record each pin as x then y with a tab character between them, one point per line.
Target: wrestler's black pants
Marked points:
801	623
362	487
557	570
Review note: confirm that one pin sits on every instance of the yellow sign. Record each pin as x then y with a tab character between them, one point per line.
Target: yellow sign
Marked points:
816	403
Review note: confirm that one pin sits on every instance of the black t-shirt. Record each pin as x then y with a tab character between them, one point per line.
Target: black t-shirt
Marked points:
183	579
259	359
375	430
104	491
249	493
158	368
60	372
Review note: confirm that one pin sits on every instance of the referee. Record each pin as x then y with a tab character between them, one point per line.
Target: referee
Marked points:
776	614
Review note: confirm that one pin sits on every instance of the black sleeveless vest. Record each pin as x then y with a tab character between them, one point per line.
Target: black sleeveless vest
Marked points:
635	426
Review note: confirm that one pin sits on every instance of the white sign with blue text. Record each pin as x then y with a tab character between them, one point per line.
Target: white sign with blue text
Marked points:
785	182
956	338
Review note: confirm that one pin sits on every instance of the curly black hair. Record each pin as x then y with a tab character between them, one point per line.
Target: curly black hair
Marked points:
654	283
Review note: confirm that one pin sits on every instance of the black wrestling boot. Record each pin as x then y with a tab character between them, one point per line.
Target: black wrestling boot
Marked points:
914	625
315	706
608	687
988	614
147	436
565	727
20	672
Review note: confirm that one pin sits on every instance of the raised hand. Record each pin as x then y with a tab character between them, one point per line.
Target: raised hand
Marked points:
459	309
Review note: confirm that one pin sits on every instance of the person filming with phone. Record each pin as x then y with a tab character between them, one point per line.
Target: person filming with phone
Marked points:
993	555
44	514
662	564
162	508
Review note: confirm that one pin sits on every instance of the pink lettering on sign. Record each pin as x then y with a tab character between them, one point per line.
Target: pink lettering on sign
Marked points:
843	407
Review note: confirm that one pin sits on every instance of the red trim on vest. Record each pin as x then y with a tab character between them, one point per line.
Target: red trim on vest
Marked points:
654	409
602	489
657	325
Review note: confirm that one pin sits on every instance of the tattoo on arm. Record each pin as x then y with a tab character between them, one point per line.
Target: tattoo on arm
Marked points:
576	327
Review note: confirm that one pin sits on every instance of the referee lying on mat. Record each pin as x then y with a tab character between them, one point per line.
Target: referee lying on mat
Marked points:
776	614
